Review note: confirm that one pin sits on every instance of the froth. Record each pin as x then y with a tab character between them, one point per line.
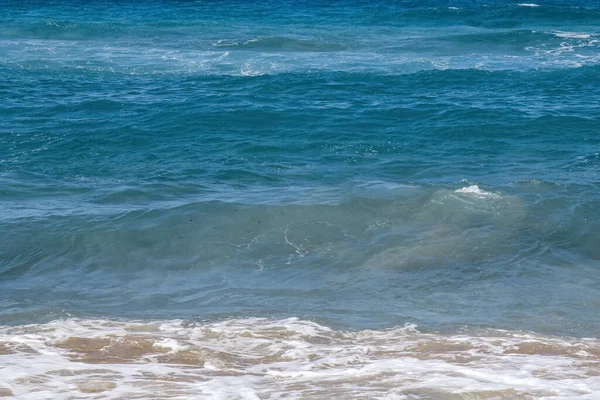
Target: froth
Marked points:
475	191
572	35
260	358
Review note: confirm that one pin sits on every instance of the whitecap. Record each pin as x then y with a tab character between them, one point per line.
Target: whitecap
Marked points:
571	35
169	343
476	191
528	5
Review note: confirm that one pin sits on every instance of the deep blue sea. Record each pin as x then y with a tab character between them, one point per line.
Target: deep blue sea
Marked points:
300	199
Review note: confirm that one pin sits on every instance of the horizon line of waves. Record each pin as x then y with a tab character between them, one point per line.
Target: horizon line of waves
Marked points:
318	41
276	55
565	57
263	68
264	358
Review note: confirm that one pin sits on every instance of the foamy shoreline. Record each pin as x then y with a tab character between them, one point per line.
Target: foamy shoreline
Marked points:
291	358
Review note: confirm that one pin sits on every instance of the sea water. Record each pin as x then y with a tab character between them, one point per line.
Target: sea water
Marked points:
300	199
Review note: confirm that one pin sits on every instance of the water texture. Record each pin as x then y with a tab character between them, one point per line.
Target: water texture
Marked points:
351	190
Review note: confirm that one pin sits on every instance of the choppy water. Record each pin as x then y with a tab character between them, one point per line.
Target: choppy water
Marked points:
301	198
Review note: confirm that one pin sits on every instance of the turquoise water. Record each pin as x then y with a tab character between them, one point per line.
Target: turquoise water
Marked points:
361	165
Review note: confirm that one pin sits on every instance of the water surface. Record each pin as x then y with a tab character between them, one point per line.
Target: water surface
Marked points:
335	170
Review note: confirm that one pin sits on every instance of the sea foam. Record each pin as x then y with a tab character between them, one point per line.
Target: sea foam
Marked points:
262	358
474	190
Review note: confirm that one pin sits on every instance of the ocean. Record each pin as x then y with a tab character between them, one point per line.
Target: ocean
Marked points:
300	199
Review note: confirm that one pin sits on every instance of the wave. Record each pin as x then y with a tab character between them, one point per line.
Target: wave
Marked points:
65	30
492	14
148	23
280	44
561	58
415	248
517	39
141	50
262	358
326	224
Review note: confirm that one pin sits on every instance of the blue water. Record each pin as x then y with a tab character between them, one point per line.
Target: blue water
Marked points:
358	164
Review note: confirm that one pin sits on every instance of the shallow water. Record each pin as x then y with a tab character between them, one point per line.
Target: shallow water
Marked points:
258	358
355	167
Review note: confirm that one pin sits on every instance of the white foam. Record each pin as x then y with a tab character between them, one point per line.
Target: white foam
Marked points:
528	5
475	191
572	35
260	358
172	344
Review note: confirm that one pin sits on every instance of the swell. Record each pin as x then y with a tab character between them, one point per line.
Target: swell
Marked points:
65	89
104	20
517	38
377	215
387	241
69	131
492	14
